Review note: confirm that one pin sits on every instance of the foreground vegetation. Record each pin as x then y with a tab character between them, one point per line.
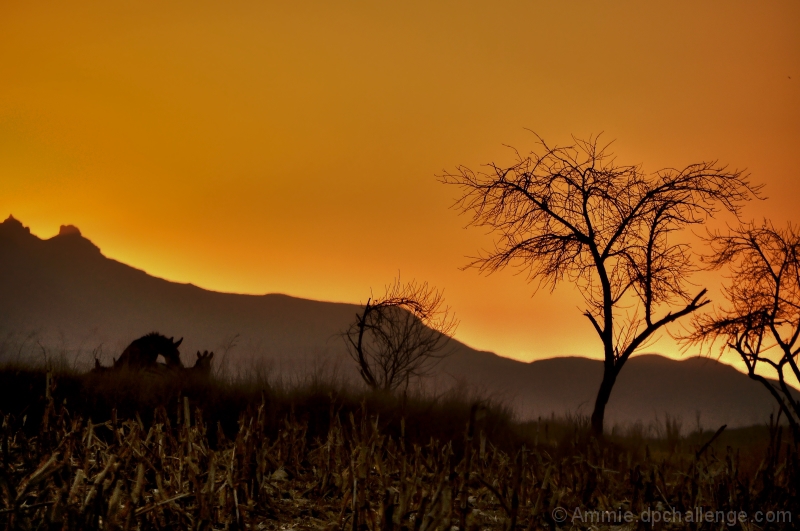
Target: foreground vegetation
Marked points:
83	453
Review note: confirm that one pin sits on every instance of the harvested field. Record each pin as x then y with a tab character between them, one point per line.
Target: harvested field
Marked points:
363	474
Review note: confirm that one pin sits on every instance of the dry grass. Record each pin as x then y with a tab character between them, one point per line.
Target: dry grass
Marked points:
362	473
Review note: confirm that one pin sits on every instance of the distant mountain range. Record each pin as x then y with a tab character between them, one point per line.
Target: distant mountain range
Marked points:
62	297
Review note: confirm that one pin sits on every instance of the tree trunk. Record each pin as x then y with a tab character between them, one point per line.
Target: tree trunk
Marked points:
599	413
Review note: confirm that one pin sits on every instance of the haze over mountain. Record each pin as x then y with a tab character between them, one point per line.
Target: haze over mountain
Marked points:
61	296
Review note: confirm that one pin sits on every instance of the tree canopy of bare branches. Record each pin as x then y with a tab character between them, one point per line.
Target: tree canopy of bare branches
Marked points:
761	319
401	335
573	214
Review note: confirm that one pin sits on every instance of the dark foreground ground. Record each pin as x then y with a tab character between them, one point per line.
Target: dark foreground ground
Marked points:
117	451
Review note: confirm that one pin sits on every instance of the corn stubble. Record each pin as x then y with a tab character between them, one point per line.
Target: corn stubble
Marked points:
120	475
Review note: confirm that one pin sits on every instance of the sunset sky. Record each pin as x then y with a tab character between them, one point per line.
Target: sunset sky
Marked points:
293	147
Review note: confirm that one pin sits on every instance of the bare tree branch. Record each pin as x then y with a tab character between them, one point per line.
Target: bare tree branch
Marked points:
761	321
573	214
401	335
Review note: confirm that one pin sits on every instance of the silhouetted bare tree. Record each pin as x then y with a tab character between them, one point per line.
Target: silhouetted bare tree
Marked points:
761	321
572	213
400	335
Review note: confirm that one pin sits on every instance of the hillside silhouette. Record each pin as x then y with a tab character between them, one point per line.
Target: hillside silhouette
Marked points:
62	297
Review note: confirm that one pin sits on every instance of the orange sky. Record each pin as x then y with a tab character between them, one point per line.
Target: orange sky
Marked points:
251	147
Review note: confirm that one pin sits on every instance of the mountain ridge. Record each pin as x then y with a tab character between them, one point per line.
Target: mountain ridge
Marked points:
64	293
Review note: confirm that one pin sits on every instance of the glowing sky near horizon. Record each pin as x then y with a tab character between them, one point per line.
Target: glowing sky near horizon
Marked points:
292	147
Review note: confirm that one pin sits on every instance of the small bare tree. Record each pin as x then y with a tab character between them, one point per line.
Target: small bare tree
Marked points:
761	321
572	213
401	335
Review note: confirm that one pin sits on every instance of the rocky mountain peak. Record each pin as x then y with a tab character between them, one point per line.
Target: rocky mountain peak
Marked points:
12	224
66	230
